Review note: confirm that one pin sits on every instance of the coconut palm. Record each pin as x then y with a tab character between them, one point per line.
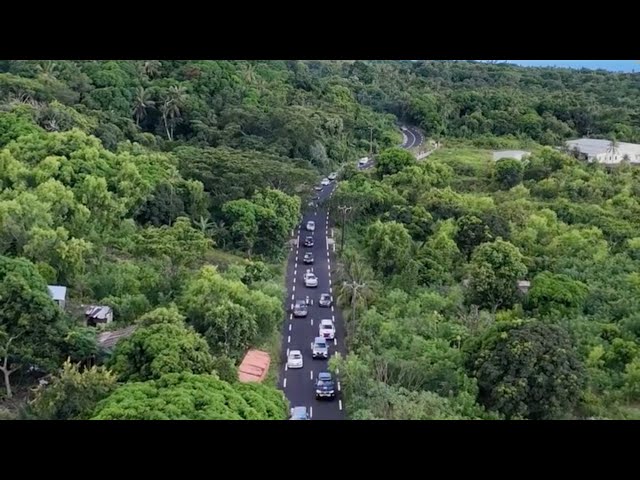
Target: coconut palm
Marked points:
47	70
205	225
170	108
140	104
356	286
151	68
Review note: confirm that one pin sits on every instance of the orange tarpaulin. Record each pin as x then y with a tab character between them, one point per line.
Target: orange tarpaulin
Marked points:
254	366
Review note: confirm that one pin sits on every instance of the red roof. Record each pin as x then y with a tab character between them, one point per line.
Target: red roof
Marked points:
254	366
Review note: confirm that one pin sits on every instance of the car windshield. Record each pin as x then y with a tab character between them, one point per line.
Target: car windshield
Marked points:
321	344
324	376
326	324
324	296
296	356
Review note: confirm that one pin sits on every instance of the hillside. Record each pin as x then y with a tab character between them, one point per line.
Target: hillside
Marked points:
168	190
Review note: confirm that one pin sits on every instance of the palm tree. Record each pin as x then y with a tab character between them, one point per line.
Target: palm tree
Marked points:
170	109
205	225
47	70
151	68
357	285
140	104
612	150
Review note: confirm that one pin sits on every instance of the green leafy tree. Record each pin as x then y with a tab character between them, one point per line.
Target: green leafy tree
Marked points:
526	370
509	172
494	271
471	232
161	344
31	325
389	246
393	160
186	396
73	393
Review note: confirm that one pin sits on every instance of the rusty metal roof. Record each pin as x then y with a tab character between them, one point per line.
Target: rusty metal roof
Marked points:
254	366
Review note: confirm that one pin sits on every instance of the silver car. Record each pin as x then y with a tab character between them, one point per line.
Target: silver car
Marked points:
295	360
310	280
311	225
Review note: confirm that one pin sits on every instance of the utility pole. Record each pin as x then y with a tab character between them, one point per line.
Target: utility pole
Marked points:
344	210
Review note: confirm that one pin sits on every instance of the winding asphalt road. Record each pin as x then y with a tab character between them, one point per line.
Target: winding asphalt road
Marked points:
298	334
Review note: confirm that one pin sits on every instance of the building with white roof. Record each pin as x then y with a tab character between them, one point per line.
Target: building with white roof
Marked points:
604	151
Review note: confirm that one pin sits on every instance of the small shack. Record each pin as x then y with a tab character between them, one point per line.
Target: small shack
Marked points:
254	366
58	294
517	154
98	315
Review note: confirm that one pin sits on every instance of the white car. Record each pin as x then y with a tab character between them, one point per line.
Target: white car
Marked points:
310	280
294	360
311	226
363	161
332	176
325	182
327	330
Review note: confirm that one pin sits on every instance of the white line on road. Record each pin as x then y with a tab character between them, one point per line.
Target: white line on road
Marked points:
287	352
332	308
329	281
292	306
333	318
284	384
286	366
335	341
294	286
289	327
296	258
311	374
312	322
289	339
295	272
293	297
330	291
297	251
291	316
338	386
310	412
340	404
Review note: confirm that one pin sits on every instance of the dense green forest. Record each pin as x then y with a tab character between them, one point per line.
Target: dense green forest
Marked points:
167	190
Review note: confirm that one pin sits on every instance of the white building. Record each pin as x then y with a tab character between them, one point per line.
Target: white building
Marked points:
98	314
603	151
517	154
58	294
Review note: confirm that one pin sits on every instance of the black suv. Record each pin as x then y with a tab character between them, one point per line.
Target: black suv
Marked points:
308	258
325	386
308	241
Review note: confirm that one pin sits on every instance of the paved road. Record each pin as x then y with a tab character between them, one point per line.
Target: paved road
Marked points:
412	137
299	384
298	333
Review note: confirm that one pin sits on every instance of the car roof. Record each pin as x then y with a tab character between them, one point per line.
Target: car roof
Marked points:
291	352
325	295
310	221
324	376
295	411
308	253
326	321
320	340
301	302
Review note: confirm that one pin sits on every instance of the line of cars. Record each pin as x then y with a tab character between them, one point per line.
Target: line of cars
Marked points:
324	383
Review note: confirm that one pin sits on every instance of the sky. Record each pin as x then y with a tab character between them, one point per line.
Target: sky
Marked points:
611	65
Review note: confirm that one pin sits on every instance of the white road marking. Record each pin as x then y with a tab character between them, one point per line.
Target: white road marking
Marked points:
293	297
287	352
335	341
329	281
311	374
331	291
294	287
291	316
332	308
286	366
289	339
297	251
296	258
295	272
340	404
312	322
334	247
292	307
284	384
338	386
333	318
311	412
289	327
